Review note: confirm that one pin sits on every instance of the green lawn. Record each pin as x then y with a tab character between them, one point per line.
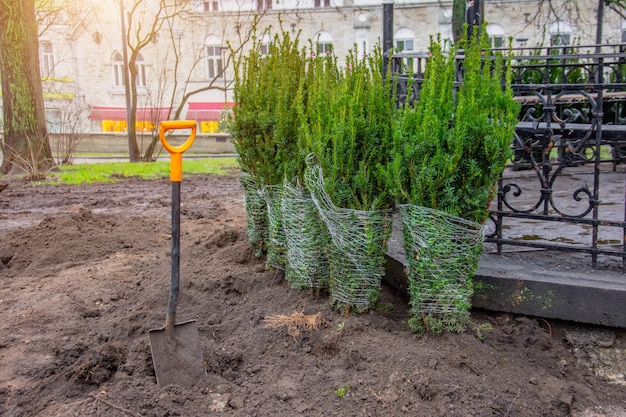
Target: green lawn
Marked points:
114	171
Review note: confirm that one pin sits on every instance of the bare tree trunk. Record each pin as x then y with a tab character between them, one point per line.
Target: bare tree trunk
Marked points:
148	155
133	148
26	144
135	155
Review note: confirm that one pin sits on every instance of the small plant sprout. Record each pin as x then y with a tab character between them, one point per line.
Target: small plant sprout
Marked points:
342	391
480	329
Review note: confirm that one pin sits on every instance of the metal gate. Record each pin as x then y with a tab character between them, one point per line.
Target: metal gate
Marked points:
564	189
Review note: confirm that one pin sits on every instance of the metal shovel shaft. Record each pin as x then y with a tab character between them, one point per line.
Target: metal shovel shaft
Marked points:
176	350
170	319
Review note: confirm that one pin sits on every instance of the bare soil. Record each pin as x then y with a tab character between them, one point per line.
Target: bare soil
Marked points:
84	274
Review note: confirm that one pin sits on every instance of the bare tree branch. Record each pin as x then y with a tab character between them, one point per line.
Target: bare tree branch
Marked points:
618	6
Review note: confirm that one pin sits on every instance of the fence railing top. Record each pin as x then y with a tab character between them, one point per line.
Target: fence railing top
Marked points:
540	53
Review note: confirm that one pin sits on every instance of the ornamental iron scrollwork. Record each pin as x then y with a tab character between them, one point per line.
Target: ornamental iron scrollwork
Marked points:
573	114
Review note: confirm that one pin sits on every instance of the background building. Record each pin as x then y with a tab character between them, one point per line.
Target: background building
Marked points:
183	54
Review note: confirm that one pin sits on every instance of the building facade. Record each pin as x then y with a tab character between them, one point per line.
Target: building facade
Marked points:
184	60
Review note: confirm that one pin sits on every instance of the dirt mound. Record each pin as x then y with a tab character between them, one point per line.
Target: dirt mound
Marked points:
76	238
84	274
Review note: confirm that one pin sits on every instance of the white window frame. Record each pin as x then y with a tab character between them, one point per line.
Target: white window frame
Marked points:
140	65
405	45
47	59
496	35
213	60
264	5
210	6
560	33
496	41
264	46
561	39
323	43
118	70
404	40
325	48
53	120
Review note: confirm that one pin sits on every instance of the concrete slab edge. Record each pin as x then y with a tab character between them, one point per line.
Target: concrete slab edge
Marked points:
546	297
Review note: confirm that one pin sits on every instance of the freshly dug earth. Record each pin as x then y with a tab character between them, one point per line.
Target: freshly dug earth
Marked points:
84	274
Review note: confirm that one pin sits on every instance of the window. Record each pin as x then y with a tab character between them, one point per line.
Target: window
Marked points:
404	45
560	39
324	43
141	71
213	56
318	3
210	6
496	35
118	70
213	61
560	33
496	41
404	40
324	48
47	59
53	120
265	45
263	5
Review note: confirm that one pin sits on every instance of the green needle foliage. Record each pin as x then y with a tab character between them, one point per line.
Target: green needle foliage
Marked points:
264	130
346	117
264	127
451	149
449	153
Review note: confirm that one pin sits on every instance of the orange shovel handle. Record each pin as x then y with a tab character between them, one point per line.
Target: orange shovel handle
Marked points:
176	152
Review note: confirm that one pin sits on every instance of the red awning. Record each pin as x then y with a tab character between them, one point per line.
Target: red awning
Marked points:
147	114
207	111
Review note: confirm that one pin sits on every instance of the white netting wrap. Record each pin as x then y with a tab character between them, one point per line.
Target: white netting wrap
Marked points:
305	239
256	214
358	242
442	251
276	250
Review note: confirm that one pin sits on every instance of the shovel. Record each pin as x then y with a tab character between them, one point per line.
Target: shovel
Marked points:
176	351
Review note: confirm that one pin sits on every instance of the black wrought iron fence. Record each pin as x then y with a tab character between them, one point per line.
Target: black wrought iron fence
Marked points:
566	178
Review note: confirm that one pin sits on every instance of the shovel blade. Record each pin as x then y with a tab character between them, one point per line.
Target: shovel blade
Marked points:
177	354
